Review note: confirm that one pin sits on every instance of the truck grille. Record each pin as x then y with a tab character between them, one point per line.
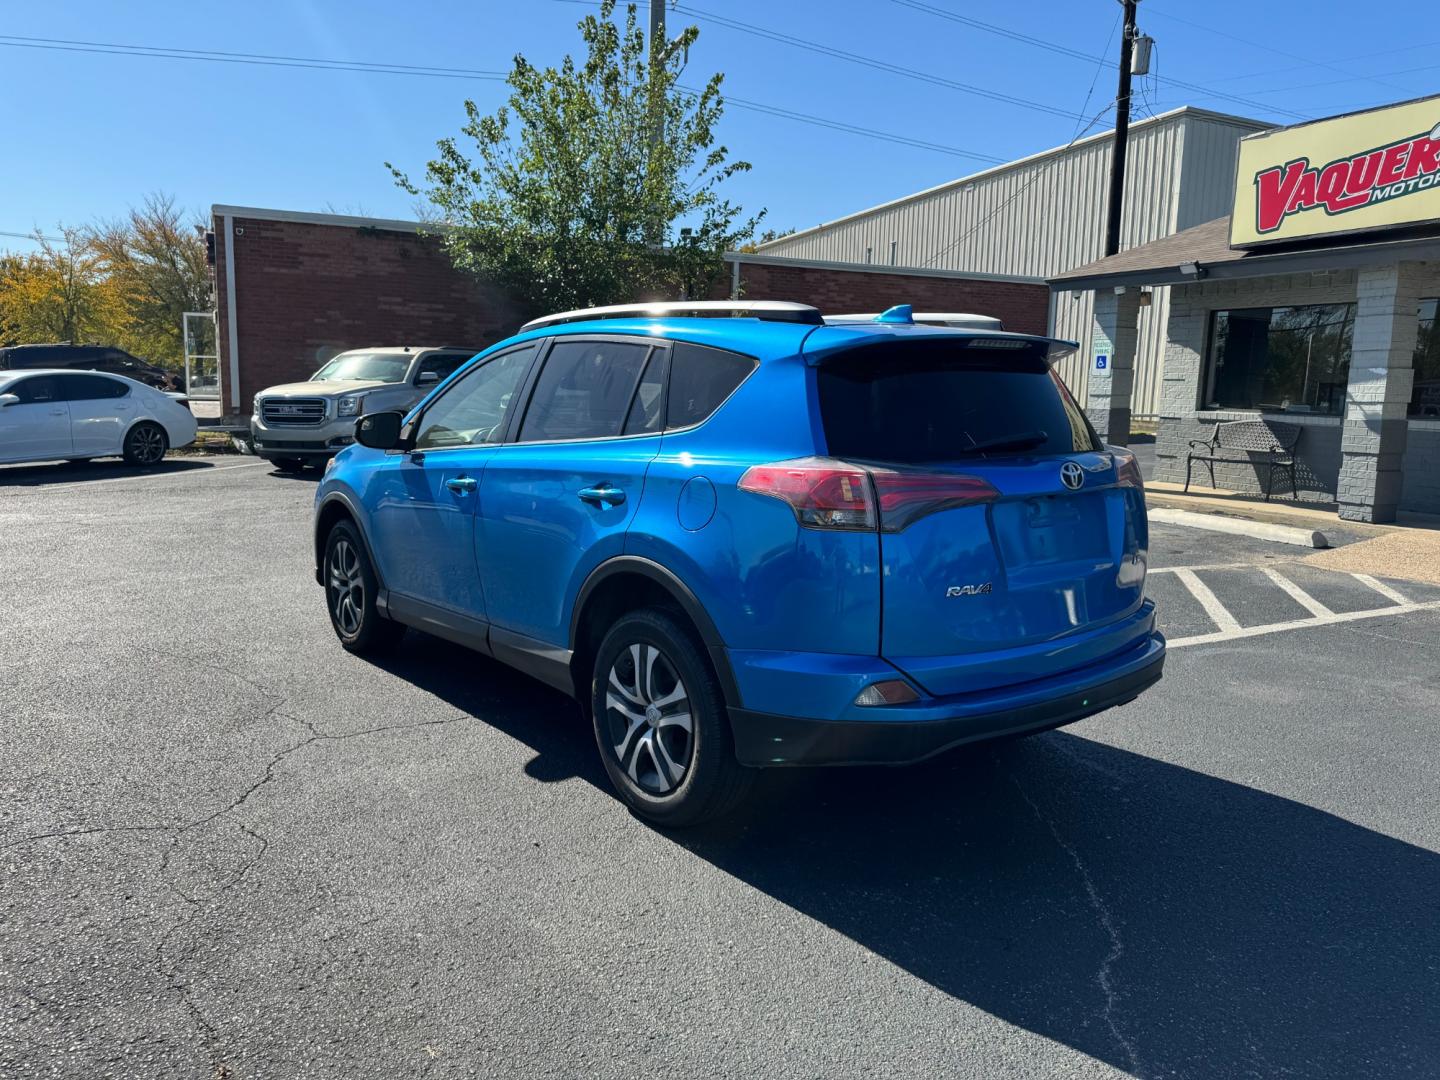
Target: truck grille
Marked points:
298	411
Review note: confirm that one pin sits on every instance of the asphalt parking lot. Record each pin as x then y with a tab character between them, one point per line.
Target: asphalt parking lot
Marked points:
232	850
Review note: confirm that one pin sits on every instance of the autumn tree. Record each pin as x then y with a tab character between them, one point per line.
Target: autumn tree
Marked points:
59	293
155	260
564	196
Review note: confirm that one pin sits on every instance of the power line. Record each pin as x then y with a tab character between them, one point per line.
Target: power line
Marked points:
106	48
854	129
1160	10
1064	50
1034	177
264	59
864	61
34	236
1099	67
1336	60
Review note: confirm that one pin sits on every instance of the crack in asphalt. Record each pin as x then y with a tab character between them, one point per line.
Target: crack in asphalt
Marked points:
171	964
1107	923
209	1031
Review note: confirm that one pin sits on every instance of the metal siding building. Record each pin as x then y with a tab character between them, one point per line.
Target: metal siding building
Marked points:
1045	214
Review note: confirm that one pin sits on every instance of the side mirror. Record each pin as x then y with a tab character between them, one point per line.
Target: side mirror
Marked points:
379	431
8	400
427	378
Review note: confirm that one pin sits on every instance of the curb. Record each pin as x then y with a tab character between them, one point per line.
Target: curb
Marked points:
1259	530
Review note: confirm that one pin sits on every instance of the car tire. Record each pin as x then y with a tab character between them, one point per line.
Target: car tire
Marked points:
145	444
652	678
351	588
289	464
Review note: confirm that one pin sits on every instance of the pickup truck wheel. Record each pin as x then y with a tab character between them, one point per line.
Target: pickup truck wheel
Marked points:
350	591
660	722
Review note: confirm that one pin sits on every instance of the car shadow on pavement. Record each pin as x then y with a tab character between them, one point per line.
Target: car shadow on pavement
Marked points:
62	472
1158	919
1164	921
528	711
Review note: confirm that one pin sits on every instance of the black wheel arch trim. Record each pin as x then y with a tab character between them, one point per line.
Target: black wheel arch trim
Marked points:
353	513
684	598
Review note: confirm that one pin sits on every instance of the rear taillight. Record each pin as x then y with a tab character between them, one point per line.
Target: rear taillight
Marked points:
906	496
1127	469
829	494
824	494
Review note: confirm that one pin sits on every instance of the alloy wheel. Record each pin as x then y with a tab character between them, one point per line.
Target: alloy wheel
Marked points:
346	587
147	444
648	713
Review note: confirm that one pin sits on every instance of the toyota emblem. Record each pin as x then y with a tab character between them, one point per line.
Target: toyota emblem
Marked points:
1072	475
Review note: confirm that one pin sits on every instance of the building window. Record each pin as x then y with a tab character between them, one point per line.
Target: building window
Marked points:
1425	401
1284	359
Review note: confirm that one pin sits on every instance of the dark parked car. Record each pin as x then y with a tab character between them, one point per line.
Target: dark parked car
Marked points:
105	358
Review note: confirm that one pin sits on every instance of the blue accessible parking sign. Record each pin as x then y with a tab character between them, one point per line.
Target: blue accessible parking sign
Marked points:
1101	362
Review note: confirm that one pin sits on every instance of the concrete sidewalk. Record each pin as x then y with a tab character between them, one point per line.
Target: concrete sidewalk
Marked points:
1408	549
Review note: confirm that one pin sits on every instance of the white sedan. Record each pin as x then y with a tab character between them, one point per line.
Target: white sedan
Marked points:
48	415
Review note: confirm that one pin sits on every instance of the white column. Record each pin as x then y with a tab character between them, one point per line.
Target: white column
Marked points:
1372	442
1113	338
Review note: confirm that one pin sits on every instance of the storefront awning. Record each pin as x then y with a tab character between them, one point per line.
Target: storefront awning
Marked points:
1204	251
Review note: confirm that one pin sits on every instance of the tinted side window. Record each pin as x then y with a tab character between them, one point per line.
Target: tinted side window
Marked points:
33	358
40	388
438	368
700	379
584	391
91	388
647	411
473	411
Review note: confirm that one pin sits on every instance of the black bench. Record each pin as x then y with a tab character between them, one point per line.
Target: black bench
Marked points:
1248	442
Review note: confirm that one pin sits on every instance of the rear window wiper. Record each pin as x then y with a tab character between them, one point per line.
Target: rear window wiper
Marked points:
1024	440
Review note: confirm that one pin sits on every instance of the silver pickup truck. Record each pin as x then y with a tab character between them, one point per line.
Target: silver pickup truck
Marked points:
302	423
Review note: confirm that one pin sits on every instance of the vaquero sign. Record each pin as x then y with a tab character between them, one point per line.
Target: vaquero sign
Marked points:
1371	170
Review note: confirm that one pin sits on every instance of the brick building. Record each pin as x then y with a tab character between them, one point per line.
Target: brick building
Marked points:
293	289
837	288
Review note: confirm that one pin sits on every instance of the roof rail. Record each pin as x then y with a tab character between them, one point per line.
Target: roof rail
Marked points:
768	310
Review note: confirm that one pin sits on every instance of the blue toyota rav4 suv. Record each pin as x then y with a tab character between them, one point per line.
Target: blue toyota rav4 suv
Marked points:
757	540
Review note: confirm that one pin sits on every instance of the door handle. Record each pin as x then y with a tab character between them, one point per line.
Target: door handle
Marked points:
57	412
602	495
461	484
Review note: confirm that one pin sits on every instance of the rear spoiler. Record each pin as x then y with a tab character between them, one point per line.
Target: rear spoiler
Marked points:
827	342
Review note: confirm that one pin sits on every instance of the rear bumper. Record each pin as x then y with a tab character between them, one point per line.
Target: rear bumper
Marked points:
899	736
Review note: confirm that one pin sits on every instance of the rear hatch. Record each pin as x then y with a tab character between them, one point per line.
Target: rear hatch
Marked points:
1012	543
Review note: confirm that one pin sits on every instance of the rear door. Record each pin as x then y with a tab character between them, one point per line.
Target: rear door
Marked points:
101	411
1011	548
557	502
37	427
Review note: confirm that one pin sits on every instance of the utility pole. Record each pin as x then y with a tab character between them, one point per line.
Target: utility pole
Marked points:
1122	131
657	98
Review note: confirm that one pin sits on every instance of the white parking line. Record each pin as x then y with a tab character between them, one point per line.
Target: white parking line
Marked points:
1208	600
1299	595
1380	587
1299	624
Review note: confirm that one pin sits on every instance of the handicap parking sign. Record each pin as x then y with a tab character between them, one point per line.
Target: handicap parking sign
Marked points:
1101	362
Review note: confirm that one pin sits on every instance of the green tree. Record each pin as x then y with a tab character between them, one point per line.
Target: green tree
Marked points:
569	201
155	260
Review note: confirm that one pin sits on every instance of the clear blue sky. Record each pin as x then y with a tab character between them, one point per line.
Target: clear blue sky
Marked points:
86	134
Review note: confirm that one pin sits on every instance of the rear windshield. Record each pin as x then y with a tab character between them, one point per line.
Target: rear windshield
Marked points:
363	366
937	401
